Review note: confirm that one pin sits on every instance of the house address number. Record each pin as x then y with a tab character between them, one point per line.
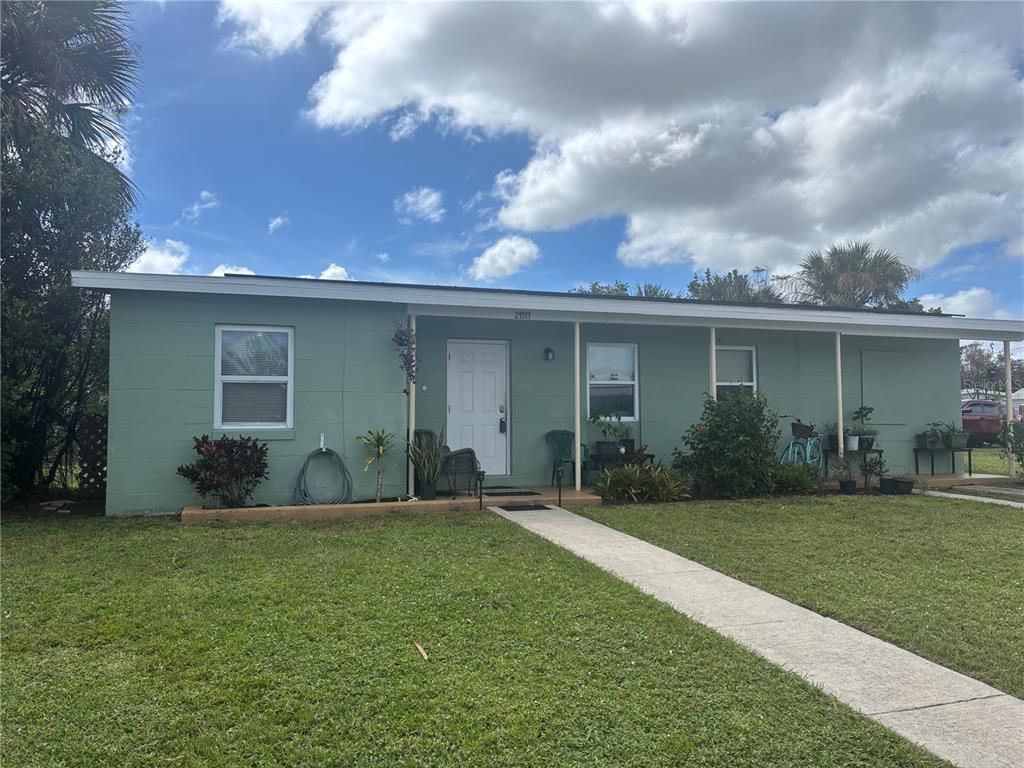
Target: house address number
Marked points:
521	314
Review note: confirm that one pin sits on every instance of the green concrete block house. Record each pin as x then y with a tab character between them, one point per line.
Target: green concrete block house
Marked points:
498	368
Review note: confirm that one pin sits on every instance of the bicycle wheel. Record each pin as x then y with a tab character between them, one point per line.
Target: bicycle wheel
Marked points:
814	454
793	454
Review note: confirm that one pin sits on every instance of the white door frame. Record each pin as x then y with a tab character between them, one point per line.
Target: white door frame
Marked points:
508	391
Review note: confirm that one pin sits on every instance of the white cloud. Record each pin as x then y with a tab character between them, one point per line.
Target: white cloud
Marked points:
422	203
334	272
230	269
276	223
506	257
383	258
271	28
167	259
972	302
205	202
725	134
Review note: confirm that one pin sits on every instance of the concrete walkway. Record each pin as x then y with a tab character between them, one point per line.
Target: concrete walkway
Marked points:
951	715
975	497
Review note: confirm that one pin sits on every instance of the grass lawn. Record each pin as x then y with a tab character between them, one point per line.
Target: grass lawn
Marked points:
942	578
987	461
145	643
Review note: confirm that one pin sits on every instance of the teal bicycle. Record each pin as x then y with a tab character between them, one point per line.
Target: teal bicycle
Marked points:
804	448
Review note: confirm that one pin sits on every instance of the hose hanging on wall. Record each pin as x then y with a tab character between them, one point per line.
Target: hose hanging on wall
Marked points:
302	492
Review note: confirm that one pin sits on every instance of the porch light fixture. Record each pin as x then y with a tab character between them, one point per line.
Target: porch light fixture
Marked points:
549	354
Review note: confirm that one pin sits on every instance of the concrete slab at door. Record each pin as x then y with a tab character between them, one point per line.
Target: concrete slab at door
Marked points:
478	401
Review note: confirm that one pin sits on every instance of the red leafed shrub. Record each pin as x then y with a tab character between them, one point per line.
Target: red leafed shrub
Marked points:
228	468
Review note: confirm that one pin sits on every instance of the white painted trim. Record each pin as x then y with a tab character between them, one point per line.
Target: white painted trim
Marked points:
508	392
1008	371
438	300
636	375
753	354
712	363
577	426
219	380
840	431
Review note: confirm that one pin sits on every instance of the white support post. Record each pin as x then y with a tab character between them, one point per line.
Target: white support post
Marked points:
577	465
840	439
411	385
712	363
1008	365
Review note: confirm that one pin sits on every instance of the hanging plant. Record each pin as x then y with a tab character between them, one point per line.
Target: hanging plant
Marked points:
405	342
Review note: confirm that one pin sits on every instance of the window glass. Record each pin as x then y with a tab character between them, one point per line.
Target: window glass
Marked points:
735	365
613	400
611	362
254	353
254	403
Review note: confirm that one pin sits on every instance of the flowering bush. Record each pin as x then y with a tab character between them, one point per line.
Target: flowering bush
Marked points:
732	448
229	468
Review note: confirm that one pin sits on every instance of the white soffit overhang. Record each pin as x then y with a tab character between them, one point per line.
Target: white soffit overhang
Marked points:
533	306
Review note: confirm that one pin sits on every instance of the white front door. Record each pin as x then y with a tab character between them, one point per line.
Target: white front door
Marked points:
478	400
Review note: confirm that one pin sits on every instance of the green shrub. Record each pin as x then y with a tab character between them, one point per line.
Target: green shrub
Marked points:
1012	441
229	468
795	480
732	449
632	483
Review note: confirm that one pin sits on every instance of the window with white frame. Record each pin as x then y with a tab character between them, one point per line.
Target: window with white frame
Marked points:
612	381
735	368
254	377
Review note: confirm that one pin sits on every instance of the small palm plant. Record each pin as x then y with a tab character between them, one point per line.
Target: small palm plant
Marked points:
377	443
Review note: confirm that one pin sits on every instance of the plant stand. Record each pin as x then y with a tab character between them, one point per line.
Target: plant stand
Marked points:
952	458
863	455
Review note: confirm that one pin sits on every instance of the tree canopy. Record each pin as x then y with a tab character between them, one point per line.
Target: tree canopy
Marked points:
733	286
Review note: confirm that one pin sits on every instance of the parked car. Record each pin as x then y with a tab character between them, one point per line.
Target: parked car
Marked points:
981	419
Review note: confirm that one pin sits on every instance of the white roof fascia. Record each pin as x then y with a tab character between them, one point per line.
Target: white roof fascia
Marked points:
460	302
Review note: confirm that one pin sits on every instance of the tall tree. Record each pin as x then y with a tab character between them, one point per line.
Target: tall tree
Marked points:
621	288
733	286
855	274
64	206
67	68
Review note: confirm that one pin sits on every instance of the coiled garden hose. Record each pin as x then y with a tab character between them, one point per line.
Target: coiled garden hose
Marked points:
302	493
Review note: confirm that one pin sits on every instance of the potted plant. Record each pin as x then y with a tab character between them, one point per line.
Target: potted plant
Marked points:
904	485
865	434
843	470
618	437
376	445
931	438
954	435
427	456
831	432
887	485
873	467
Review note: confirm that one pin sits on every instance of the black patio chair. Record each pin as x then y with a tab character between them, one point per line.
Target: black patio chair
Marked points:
561	442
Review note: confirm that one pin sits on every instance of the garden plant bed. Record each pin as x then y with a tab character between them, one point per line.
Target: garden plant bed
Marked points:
938	577
142	642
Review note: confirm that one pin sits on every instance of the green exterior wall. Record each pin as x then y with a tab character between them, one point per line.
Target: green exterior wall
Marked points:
910	382
347	380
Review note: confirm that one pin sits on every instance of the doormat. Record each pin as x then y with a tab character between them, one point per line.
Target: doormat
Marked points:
509	492
525	508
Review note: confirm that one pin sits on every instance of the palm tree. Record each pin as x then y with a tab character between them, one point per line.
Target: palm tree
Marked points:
854	274
67	68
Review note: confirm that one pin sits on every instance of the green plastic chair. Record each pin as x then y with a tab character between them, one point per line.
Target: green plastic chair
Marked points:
561	442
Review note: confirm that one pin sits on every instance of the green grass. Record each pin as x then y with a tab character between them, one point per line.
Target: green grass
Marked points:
145	643
987	461
942	578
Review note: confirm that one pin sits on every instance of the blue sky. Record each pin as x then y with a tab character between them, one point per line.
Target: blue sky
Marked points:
445	155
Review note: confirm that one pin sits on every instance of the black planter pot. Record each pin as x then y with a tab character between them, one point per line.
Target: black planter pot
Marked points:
904	487
866	442
606	448
629	445
847	486
958	440
428	491
887	485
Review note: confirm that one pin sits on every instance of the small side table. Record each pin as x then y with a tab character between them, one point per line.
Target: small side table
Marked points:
952	458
